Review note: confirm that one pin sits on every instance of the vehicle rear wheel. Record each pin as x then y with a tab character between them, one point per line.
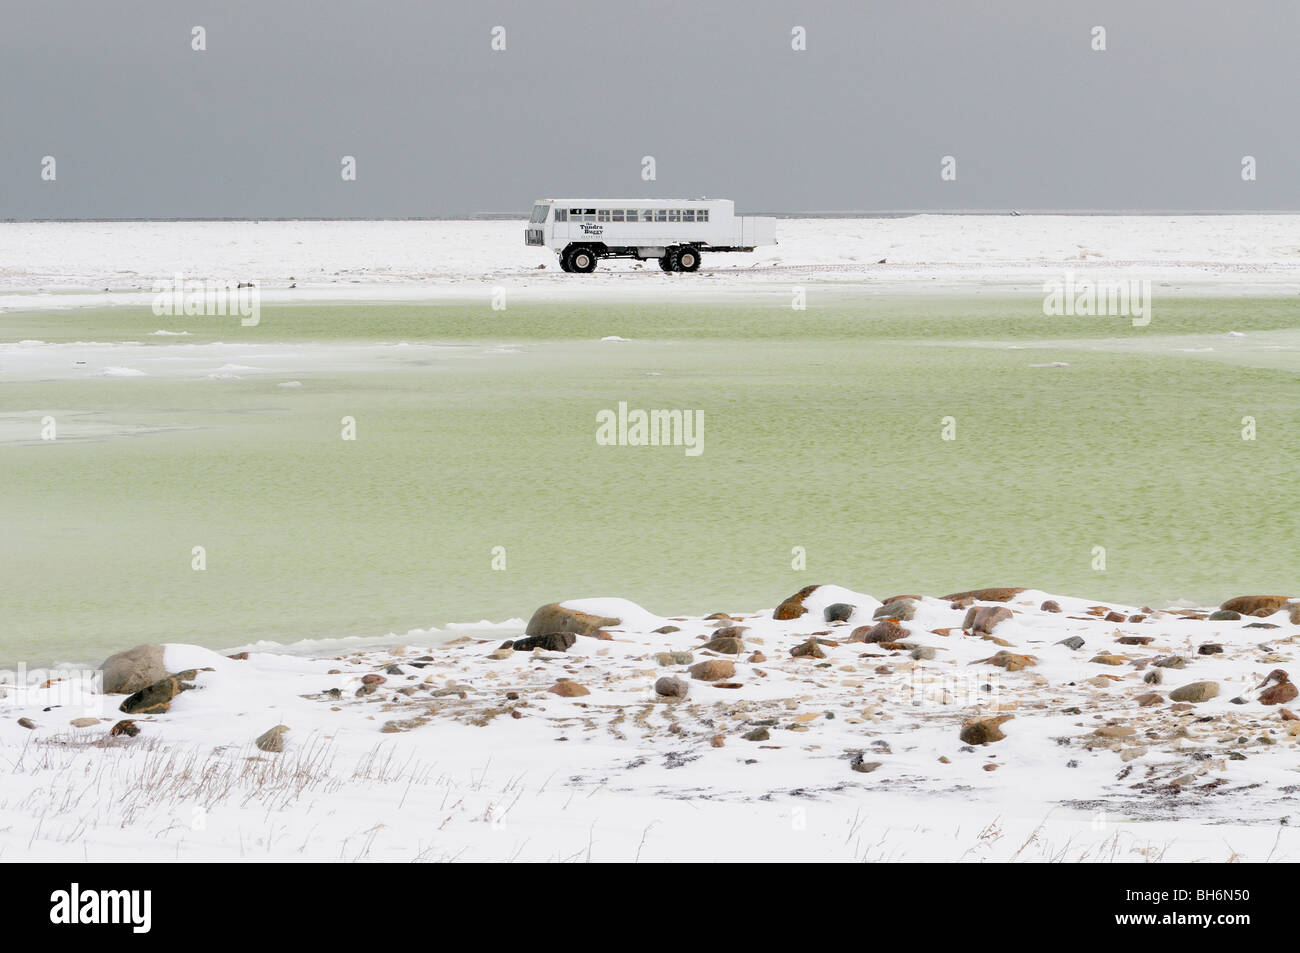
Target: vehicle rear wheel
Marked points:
688	258
581	259
666	262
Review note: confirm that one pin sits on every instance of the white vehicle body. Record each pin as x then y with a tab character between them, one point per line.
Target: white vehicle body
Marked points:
672	231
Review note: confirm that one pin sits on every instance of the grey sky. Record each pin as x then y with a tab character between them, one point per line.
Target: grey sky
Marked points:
143	127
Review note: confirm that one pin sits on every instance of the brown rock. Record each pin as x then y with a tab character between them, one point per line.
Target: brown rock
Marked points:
553	617
568	688
1050	605
1147	699
1115	617
1278	689
793	608
986	595
758	657
982	731
713	670
1278	694
125	728
724	645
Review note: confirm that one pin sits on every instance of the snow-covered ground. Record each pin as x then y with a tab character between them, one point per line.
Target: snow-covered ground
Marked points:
96	263
462	750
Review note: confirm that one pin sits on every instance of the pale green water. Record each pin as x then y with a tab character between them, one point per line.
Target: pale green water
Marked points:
822	430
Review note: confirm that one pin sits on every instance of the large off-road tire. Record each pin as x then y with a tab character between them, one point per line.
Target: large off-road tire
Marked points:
666	262
581	259
564	263
687	258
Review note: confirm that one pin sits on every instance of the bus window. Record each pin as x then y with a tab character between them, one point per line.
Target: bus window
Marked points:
674	215
616	215
539	214
561	214
688	215
702	215
602	215
661	215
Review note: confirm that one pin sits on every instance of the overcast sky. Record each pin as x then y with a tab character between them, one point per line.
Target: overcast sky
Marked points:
142	126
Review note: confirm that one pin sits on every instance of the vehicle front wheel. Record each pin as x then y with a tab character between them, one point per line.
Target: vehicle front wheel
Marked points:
581	259
688	258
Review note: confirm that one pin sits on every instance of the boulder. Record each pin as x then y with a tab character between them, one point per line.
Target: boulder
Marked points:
568	688
724	645
1195	692
1224	615
1278	694
712	670
671	687
157	698
1256	605
1277	688
1050	605
986	595
793	608
555	618
127	672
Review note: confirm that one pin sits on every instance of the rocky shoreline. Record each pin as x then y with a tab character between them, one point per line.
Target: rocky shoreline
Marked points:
990	702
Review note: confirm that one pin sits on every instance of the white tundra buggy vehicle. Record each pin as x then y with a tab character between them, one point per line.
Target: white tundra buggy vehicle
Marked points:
673	231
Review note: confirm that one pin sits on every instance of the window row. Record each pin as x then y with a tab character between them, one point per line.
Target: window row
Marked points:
632	215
